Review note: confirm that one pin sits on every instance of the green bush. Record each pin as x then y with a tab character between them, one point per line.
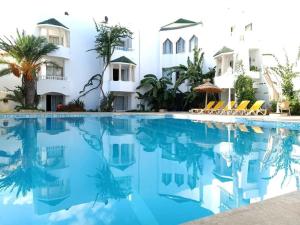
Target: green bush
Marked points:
295	106
273	106
244	89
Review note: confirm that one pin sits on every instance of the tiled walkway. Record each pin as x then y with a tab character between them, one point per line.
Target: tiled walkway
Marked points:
283	210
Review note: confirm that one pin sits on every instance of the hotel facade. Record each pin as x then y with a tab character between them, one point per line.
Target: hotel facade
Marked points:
136	57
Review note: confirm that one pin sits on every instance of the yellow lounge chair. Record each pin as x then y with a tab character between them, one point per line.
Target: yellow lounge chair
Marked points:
240	108
217	107
207	107
227	108
256	109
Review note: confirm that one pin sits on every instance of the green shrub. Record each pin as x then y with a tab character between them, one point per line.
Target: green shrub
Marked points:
273	106
295	106
106	104
244	88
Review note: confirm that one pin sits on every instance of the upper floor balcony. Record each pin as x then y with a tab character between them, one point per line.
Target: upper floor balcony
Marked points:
53	84
122	75
56	33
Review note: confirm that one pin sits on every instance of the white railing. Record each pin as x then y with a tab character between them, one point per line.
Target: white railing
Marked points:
123	48
52	77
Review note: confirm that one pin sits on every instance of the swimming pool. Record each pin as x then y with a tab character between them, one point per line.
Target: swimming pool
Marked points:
138	169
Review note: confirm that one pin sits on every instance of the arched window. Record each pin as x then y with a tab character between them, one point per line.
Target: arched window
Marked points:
193	43
168	47
180	46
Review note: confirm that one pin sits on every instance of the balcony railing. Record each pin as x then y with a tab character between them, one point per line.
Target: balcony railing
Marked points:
52	77
123	48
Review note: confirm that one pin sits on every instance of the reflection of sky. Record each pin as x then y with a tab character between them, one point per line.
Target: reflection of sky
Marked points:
87	183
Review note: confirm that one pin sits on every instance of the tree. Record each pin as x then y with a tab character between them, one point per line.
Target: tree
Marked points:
107	39
193	73
244	88
24	59
287	73
157	94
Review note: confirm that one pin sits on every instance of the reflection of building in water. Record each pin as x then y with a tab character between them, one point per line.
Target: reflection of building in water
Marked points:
53	192
238	171
52	157
10	148
52	125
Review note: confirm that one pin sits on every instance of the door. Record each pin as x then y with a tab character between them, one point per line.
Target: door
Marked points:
52	101
121	103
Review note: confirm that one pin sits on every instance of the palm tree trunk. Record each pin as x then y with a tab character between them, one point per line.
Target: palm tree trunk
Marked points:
30	93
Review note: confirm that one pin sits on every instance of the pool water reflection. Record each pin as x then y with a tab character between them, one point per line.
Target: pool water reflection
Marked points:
135	170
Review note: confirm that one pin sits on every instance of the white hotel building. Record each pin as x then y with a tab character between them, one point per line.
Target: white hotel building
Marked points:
136	57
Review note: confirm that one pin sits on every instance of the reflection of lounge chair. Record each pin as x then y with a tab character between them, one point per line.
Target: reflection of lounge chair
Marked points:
243	127
257	129
227	108
240	108
219	125
207	107
209	125
256	109
217	107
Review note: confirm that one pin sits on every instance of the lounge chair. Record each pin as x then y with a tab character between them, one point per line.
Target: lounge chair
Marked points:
207	107
217	107
240	108
256	109
227	108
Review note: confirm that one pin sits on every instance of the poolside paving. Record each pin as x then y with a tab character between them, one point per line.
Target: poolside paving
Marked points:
283	210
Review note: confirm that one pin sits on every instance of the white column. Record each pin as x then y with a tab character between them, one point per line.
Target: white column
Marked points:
120	70
130	73
222	65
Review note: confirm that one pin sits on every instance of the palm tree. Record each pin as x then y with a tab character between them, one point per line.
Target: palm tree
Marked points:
157	94
107	39
193	73
24	57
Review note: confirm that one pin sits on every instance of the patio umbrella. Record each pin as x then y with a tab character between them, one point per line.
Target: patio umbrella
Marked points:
207	87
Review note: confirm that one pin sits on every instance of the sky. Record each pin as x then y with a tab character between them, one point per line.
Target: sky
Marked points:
278	20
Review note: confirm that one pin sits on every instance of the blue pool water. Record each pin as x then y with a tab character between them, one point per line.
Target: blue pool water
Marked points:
135	170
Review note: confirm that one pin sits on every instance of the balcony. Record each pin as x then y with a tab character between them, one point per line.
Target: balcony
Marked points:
225	81
122	86
254	74
62	52
53	84
122	48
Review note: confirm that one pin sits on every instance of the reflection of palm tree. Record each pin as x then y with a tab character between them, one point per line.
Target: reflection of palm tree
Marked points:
24	173
108	186
280	153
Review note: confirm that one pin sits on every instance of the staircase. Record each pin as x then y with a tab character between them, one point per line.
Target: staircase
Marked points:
273	82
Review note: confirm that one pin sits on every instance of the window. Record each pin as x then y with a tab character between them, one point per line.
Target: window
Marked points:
179	179
193	43
167	47
115	74
248	27
56	40
124	75
125	44
166	178
54	71
180	46
231	30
